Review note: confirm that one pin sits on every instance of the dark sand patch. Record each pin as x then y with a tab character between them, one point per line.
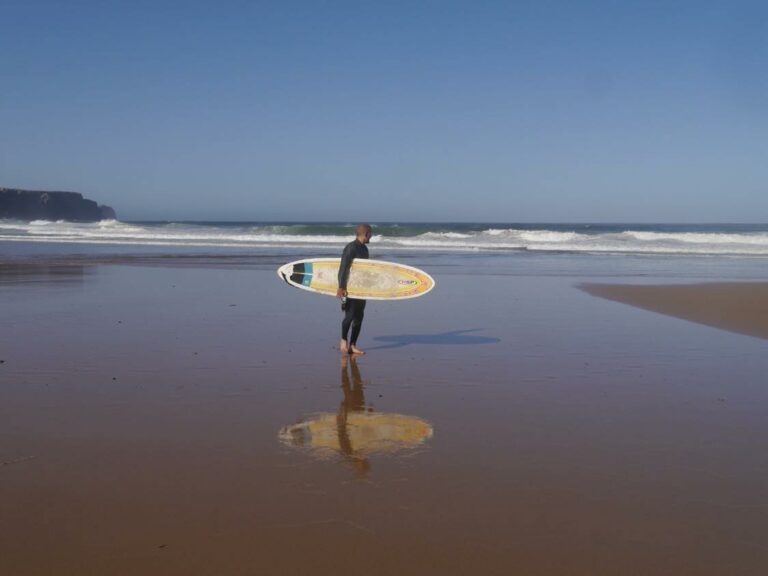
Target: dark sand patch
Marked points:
738	307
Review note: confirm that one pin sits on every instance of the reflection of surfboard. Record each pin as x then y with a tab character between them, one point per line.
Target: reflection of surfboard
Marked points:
362	433
368	279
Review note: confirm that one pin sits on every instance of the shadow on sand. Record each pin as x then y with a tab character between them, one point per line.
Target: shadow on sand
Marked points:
455	338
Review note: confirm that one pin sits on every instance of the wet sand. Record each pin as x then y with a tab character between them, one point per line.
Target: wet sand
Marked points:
739	307
191	420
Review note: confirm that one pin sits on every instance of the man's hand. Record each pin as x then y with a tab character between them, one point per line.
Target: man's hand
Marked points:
341	293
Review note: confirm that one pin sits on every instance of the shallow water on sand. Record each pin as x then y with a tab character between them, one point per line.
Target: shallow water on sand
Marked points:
516	425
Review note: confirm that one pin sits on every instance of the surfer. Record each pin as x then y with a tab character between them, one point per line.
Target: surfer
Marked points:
354	309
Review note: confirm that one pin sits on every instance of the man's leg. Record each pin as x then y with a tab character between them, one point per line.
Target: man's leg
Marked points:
358	314
349	315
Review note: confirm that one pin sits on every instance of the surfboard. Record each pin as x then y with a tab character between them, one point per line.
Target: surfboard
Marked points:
368	279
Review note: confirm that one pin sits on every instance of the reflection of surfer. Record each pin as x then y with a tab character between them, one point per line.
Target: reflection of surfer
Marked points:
354	401
355	431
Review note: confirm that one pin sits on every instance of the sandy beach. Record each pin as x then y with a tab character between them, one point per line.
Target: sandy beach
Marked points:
187	418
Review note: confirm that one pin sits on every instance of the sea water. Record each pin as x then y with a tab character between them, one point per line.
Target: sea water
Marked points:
685	251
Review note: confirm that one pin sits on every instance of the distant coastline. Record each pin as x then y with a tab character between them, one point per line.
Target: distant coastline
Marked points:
31	205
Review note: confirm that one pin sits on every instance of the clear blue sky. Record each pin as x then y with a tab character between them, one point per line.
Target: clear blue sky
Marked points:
466	111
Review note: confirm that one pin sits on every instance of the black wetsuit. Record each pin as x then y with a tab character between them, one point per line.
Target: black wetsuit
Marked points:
355	309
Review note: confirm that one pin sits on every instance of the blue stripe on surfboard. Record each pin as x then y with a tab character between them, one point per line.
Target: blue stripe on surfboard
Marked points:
307	280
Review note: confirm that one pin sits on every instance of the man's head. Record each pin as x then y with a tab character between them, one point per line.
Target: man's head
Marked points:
363	233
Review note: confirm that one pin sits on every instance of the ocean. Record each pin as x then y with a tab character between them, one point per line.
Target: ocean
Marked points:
734	240
634	252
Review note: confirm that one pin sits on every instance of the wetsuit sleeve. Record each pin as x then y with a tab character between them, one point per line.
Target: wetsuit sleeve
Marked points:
346	263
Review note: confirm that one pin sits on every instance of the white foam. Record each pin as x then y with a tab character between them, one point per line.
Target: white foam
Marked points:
757	238
448	235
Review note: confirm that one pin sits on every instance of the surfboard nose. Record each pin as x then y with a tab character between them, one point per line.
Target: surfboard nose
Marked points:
295	435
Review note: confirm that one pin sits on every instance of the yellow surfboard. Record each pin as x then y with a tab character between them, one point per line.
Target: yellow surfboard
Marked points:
368	279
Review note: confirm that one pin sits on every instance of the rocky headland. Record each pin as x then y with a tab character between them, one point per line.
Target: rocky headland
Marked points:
41	205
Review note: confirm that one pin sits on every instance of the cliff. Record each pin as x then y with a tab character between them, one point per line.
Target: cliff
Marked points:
39	205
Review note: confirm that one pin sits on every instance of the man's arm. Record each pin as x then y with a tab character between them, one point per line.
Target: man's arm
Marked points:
347	257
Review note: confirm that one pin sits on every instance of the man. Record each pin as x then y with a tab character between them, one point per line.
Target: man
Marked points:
354	309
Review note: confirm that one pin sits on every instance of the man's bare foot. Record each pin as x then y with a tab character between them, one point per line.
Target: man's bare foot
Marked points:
355	350
343	346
